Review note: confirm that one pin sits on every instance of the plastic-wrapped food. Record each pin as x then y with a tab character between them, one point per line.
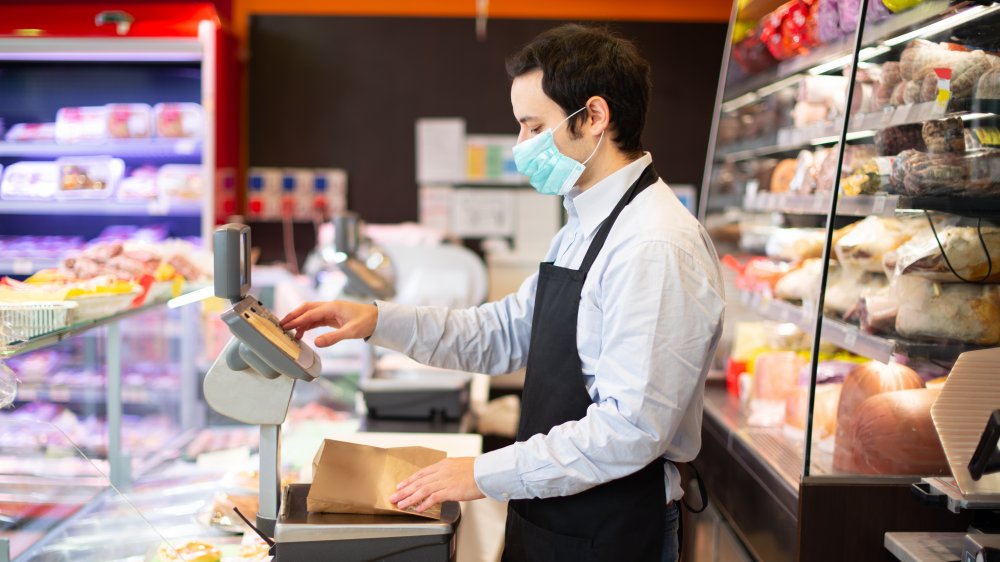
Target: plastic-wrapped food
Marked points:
758	275
894	434
92	177
865	245
180	181
30	132
944	135
866	380
871	177
774	376
781	177
129	120
987	95
849	10
8	380
139	186
975	173
920	58
771	31
178	120
959	312
898	93
30	180
826	14
804	180
752	55
806	113
824	409
893	140
81	124
850	286
876	311
796	244
801	284
888	81
922	257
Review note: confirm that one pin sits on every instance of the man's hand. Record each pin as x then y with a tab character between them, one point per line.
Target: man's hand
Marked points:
447	480
352	320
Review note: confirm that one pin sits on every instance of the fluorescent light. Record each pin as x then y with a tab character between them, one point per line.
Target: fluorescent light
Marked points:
836	63
860	134
943	25
971	116
824	140
739	102
192	297
779	85
869	53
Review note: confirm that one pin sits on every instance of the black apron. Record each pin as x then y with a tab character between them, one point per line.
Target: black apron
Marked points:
620	520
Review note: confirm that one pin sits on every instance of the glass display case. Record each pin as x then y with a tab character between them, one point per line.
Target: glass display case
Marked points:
853	186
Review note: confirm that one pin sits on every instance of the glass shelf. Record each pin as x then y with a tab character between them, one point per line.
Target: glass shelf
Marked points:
159	148
101	207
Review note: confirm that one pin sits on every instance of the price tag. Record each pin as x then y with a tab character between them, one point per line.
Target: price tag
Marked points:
878	205
22	267
850	338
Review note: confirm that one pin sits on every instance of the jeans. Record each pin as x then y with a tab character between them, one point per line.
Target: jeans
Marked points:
670	544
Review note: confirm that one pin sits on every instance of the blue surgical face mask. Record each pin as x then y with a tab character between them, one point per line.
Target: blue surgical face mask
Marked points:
549	171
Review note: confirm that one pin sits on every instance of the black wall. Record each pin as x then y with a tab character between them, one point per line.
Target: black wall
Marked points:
345	92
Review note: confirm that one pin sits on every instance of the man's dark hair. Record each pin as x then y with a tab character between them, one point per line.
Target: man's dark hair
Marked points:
578	62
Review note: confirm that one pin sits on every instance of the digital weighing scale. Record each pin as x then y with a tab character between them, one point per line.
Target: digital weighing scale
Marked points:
252	381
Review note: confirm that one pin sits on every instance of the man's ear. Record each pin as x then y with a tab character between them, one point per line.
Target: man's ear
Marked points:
598	116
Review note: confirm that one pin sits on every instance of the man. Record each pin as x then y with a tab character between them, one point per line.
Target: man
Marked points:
616	329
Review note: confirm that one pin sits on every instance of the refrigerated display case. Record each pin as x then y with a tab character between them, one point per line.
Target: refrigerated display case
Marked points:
853	183
111	117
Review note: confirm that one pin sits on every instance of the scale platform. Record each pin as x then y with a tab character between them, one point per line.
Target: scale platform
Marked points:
304	536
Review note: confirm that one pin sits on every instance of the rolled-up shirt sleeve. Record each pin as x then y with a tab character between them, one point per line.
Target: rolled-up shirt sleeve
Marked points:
661	310
492	338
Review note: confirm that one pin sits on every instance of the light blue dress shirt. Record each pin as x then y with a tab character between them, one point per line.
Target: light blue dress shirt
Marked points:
650	318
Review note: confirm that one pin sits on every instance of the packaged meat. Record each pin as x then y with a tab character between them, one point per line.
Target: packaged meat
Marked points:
944	135
824	409
847	288
955	312
758	275
921	256
30	132
796	244
782	176
30	180
826	14
865	245
849	10
866	380
976	173
91	177
870	178
752	55
774	377
81	124
178	120
893	433
180	181
806	168
801	284
893	140
140	185
129	120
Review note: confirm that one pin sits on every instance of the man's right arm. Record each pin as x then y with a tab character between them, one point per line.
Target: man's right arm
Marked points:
491	338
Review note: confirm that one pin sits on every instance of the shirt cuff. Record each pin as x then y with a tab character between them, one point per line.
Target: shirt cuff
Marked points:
395	326
496	474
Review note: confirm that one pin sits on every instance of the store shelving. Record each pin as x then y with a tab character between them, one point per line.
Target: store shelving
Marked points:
885	205
66	394
180	149
102	207
26	265
826	58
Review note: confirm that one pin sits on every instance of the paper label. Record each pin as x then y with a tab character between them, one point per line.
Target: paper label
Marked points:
944	86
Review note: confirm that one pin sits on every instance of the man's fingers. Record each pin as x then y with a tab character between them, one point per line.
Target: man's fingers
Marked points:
301	309
345	332
306	320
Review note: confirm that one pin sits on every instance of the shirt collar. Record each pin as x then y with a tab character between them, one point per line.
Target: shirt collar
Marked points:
595	204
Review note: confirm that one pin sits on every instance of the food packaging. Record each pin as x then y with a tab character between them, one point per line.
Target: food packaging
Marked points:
90	177
30	181
955	312
781	177
178	120
801	284
139	186
774	377
180	181
849	10
900	5
824	409
873	176
129	121
796	244
849	286
32	132
866	380
893	140
975	173
352	478
81	124
893	433
864	246
752	55
921	256
944	135
826	14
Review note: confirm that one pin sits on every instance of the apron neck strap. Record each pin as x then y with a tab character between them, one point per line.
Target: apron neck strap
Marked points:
646	179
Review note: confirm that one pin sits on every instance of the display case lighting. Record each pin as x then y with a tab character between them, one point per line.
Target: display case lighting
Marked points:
947	23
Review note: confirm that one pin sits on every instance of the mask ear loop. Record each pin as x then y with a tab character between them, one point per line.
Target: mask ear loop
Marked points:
595	149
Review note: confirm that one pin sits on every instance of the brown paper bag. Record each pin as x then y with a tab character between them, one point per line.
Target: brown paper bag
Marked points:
352	478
